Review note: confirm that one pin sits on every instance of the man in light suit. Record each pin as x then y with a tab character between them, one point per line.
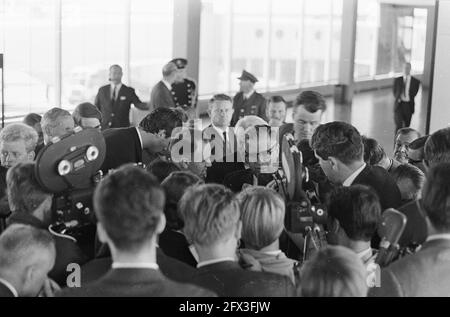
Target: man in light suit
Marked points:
427	272
129	205
114	101
161	95
405	90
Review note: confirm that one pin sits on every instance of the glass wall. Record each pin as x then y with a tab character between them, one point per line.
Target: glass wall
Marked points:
136	34
387	37
285	43
27	32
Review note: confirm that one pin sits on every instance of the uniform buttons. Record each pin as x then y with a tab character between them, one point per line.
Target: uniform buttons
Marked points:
112	114
109	123
173	92
175	98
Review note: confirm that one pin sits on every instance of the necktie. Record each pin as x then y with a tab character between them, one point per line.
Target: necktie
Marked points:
114	93
404	86
225	143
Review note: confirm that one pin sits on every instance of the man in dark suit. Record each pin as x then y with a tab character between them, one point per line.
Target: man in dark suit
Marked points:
436	151
427	272
339	148
405	90
161	95
184	89
30	205
27	255
114	101
129	206
211	214
247	101
126	145
222	139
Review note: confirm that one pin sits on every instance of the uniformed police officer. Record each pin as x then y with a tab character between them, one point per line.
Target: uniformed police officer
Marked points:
184	90
114	101
247	101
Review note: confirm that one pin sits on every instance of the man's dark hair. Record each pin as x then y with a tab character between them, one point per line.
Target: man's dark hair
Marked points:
338	139
221	97
373	151
161	169
437	147
275	99
162	119
31	119
24	192
412	173
436	196
86	110
404	131
129	204
358	210
175	185
419	143
311	100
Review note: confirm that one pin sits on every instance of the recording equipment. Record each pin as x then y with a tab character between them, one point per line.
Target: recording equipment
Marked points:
305	214
390	230
69	167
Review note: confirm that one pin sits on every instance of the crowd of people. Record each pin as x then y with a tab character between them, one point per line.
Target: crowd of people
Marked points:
203	215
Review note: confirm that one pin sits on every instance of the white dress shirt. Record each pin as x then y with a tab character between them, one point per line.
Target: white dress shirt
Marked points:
348	182
140	137
10	287
167	84
247	96
118	86
406	82
441	236
124	265
209	262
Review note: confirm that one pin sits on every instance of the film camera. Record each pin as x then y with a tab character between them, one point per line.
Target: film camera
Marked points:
69	168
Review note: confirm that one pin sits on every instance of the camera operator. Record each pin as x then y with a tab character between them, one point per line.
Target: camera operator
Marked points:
86	115
126	145
338	147
27	255
31	205
56	122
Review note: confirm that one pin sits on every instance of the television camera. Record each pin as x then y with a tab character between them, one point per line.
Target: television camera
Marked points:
68	167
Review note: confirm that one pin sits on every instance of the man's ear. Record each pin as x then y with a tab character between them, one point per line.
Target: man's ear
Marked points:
161	133
334	162
31	155
102	236
161	224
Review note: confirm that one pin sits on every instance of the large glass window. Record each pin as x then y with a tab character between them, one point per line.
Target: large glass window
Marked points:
27	42
387	37
285	43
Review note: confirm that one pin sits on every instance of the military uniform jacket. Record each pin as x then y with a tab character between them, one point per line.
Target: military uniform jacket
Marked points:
255	105
185	94
116	113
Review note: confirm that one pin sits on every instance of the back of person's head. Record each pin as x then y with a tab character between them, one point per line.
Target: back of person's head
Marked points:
175	185
437	148
27	254
162	121
32	119
169	70
86	110
311	100
56	122
334	272
129	204
161	168
357	210
410	180
373	151
210	213
262	211
436	197
20	132
339	140
23	191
